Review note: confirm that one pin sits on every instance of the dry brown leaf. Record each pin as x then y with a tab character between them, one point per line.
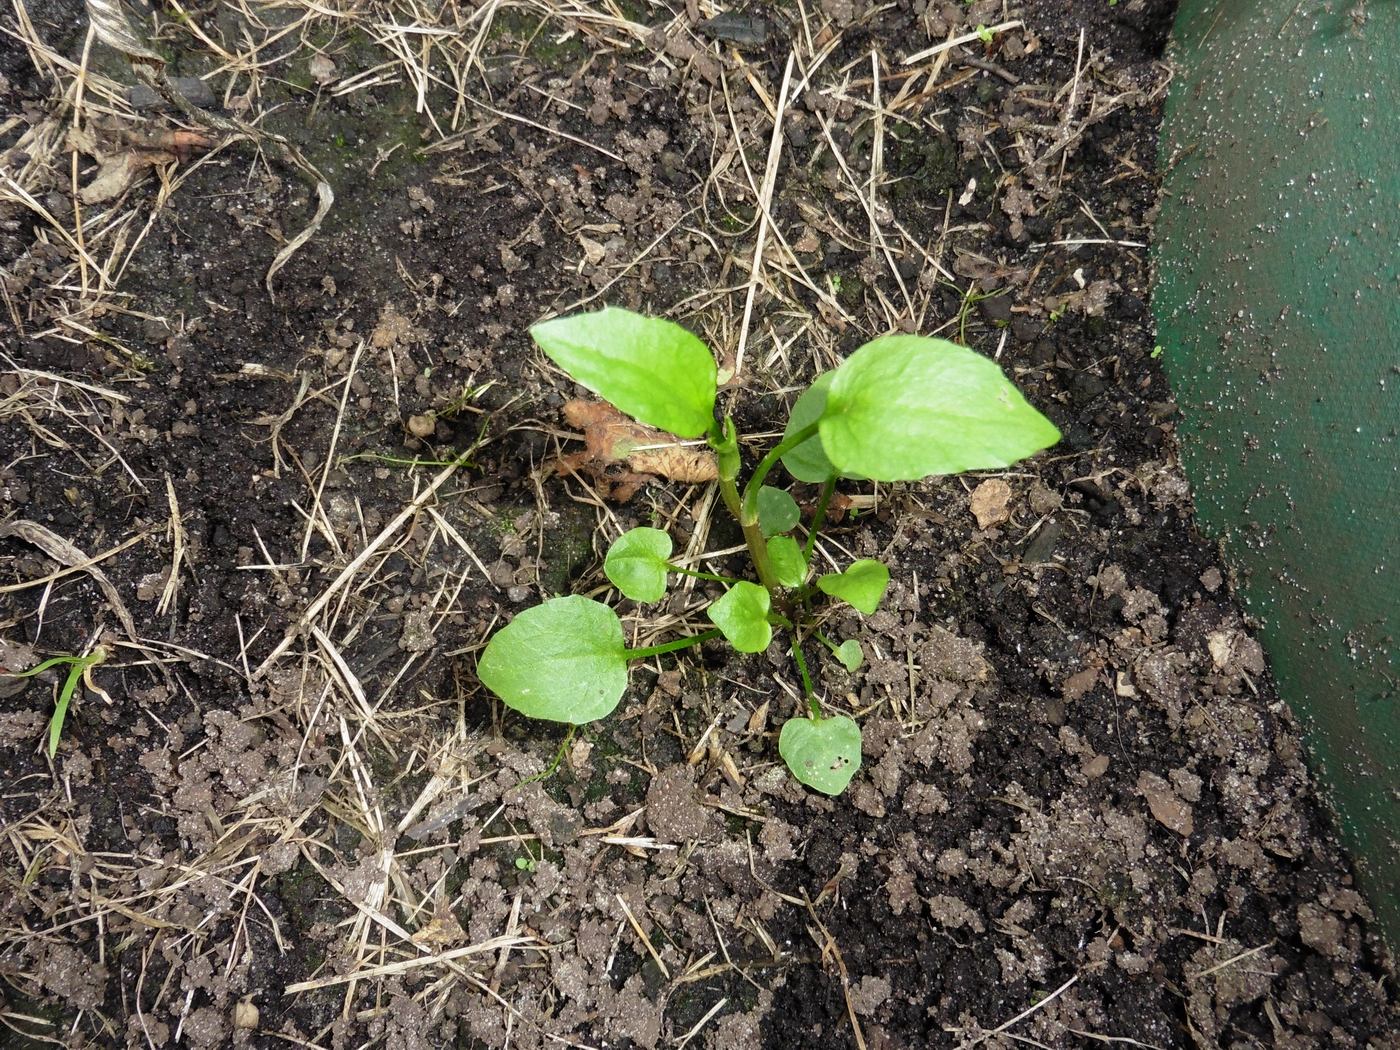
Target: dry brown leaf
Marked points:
123	155
63	552
443	931
621	455
989	503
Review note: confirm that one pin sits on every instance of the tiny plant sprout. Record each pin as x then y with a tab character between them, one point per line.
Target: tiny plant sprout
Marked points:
900	408
848	652
79	670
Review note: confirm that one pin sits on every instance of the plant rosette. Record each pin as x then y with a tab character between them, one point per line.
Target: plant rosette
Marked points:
900	408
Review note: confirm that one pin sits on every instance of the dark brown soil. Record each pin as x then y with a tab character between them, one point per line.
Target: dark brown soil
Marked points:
1084	817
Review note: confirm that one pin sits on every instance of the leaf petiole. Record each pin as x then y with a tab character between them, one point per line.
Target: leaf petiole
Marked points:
700	575
818	518
671	647
749	513
554	763
727	451
814	706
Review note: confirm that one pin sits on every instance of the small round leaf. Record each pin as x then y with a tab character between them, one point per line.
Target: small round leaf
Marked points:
849	653
788	564
742	614
822	753
777	510
637	564
655	371
808	462
862	585
905	407
564	660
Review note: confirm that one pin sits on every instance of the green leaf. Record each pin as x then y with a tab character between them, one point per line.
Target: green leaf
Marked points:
822	753
808	462
849	653
904	407
788	564
742	614
564	660
653	370
637	564
862	585
777	510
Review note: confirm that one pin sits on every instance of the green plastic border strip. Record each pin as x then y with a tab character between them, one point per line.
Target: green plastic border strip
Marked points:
1278	305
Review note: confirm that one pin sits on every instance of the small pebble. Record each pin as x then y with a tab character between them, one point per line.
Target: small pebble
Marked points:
245	1015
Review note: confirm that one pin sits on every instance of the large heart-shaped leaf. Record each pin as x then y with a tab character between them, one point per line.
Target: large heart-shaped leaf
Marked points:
904	407
741	613
653	370
789	566
862	585
777	510
822	753
564	660
808	462
637	564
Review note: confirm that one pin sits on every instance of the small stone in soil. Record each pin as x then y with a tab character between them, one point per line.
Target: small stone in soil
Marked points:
989	503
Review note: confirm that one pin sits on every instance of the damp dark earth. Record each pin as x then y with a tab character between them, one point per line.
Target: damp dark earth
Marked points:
280	469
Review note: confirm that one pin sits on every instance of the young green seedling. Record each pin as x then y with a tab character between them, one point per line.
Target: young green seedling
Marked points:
79	670
900	408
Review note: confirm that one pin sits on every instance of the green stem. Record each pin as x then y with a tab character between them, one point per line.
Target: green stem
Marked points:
729	491
671	647
814	706
700	575
824	640
809	692
758	553
782	448
553	766
818	518
727	450
725	441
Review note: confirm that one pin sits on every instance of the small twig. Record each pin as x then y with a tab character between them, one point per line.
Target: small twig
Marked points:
60	550
641	933
966	38
700	1024
1000	1029
830	950
765	196
494	944
176	532
314	609
1232	960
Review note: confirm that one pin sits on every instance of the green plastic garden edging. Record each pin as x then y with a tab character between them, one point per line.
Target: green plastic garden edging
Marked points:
1278	305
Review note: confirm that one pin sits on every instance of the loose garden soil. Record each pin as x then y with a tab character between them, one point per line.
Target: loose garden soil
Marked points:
284	812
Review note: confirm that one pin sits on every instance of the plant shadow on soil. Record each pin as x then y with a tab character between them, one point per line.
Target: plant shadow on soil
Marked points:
1080	792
